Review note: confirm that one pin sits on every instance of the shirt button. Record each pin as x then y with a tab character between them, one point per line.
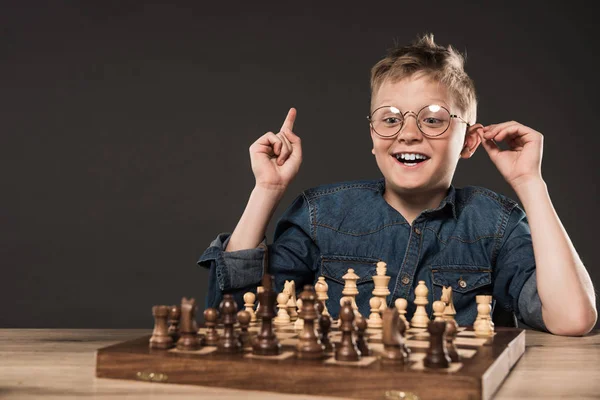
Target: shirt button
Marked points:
462	284
417	231
405	280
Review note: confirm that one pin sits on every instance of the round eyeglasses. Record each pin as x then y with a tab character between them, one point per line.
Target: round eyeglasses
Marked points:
433	120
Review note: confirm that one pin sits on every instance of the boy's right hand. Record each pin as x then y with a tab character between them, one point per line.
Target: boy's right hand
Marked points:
276	158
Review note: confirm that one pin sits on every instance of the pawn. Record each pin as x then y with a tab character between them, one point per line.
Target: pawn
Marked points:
249	299
211	315
229	343
244	319
174	315
437	354
299	321
361	343
347	350
401	305
451	332
324	327
374	321
438	310
282	317
160	335
484	327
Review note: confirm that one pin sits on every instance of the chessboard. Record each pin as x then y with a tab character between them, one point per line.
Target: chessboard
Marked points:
484	364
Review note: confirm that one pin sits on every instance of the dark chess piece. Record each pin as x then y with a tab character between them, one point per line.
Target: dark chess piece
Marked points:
347	350
451	332
160	335
211	315
229	342
265	343
174	315
243	318
324	327
437	354
320	307
309	345
188	330
361	343
394	349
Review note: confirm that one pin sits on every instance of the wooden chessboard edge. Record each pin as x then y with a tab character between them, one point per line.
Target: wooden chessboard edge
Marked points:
499	370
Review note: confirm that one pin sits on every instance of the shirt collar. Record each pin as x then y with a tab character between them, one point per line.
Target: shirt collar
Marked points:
449	202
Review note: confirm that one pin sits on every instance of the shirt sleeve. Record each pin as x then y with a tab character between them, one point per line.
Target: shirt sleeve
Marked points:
515	283
293	255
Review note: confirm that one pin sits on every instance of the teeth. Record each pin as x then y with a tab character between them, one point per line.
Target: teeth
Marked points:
410	156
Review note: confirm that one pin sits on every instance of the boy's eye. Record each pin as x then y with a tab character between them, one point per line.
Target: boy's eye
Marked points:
391	120
432	121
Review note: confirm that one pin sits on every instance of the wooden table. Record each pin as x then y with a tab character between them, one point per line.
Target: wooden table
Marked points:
60	363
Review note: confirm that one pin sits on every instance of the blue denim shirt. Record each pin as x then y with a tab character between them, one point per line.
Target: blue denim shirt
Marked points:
476	241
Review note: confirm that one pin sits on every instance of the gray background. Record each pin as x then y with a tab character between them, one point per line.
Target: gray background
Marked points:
125	130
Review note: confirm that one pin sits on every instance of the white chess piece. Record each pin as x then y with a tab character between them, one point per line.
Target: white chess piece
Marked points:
420	319
449	311
381	281
350	290
289	288
299	324
401	306
483	326
321	288
249	299
282	317
375	320
259	290
438	310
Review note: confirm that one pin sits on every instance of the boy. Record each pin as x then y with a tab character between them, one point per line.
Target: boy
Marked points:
422	121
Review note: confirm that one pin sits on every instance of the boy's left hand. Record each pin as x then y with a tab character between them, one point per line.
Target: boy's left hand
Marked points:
522	162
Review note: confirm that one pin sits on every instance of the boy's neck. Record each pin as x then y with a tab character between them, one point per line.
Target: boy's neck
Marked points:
410	205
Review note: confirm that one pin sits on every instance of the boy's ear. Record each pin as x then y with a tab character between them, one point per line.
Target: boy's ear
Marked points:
472	141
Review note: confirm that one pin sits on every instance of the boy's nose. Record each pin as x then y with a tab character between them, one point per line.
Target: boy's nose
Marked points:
410	132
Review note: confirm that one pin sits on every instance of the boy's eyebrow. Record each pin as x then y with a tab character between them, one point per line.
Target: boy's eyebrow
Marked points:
430	101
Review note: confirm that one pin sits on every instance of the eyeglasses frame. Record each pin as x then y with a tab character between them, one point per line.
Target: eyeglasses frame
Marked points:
369	118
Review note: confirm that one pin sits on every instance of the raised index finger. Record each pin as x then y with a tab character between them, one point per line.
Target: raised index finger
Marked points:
288	124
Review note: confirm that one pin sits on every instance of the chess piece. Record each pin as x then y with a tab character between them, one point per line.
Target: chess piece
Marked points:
401	305
449	311
321	288
394	349
451	332
188	330
324	327
350	288
289	288
438	310
259	290
361	343
244	320
211	315
347	350
173	320
420	318
249	299
282	317
381	281
374	321
483	326
160	335
299	323
437	354
309	346
265	343
229	342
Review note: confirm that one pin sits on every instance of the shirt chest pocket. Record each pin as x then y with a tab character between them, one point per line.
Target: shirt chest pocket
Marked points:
466	283
333	268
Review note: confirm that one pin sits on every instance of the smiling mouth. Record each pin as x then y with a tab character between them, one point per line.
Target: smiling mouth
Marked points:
410	160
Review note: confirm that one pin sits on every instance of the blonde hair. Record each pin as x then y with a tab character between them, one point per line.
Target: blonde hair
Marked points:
424	56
